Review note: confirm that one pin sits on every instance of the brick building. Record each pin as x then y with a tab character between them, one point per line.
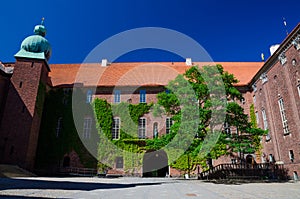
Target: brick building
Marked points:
276	94
273	88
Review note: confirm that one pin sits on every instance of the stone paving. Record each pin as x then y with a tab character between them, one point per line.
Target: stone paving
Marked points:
147	188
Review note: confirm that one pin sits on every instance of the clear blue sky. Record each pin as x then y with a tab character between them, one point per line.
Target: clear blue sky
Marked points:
231	30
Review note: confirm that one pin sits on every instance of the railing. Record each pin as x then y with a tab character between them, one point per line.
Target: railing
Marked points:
245	171
78	171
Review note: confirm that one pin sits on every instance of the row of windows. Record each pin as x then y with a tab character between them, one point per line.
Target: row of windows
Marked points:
117	96
116	126
282	115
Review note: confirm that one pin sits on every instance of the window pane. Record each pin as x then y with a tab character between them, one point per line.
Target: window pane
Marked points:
142	96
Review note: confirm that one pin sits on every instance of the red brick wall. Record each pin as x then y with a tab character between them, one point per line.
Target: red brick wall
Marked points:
282	83
20	119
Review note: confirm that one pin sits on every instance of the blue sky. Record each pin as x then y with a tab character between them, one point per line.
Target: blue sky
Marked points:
229	30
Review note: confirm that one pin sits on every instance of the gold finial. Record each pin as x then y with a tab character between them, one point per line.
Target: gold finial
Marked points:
262	57
43	19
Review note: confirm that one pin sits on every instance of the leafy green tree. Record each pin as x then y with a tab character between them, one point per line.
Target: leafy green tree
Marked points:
216	100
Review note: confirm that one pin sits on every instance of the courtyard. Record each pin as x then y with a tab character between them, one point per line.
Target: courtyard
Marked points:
129	187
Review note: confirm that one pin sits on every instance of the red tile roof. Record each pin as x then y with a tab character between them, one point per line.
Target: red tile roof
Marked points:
139	73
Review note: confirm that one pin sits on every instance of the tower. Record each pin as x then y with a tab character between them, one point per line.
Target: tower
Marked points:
25	98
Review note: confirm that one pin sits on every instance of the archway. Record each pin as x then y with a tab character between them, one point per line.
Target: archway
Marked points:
155	164
250	159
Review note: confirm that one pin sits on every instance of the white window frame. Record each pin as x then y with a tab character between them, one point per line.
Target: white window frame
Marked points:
265	120
142	128
283	117
116	128
142	96
89	96
264	78
298	88
117	96
87	127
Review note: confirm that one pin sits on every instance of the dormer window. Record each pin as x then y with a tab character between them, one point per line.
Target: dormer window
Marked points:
296	43
282	58
264	78
254	87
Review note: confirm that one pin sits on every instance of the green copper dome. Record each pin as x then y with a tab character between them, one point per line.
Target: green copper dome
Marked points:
36	46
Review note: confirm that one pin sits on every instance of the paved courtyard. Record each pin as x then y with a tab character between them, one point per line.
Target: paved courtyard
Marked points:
141	188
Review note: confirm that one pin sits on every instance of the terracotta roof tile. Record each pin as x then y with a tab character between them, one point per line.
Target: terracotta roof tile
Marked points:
139	73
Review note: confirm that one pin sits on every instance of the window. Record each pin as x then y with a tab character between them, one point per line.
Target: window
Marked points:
58	126
89	96
257	117
265	123
291	155
271	158
142	128
296	43
294	62
155	130
264	117
116	128
87	127
298	87
168	125
282	58
20	84
283	117
227	128
119	163
264	78
142	96
254	87
254	98
117	96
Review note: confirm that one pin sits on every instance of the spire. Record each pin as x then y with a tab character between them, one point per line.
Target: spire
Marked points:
40	29
42	22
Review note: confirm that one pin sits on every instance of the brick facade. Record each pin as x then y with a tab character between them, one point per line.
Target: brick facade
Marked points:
277	82
21	117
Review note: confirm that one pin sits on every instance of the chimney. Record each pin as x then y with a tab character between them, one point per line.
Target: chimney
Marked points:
273	48
104	62
188	61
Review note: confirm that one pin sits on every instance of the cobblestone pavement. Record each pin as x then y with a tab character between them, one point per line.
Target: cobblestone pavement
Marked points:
141	188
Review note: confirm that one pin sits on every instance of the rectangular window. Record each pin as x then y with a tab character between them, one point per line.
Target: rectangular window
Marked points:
89	96
265	122
87	127
257	117
116	128
142	128
119	163
169	123
291	155
142	96
264	117
254	99
283	117
58	126
298	87
117	96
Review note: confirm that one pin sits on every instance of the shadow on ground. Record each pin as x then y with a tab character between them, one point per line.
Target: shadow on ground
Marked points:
10	183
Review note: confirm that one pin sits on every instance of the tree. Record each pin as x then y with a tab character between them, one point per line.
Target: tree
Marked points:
216	100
